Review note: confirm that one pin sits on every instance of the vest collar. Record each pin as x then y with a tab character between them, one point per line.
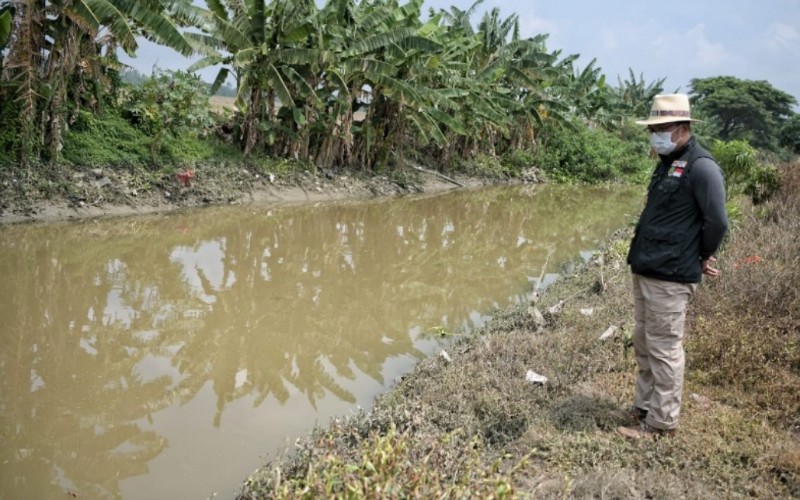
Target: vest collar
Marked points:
668	159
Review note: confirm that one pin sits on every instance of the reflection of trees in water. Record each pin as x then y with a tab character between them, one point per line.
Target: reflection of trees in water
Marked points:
298	300
320	292
69	393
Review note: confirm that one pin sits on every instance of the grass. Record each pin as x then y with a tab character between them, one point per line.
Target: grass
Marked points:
474	427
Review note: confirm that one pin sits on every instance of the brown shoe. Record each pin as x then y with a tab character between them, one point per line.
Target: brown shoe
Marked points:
633	414
645	431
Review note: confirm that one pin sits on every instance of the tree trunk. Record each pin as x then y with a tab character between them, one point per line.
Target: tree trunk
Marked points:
250	130
23	66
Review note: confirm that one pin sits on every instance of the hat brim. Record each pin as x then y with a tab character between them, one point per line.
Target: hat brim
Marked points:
659	120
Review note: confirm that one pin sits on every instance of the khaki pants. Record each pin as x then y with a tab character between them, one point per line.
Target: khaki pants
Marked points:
659	314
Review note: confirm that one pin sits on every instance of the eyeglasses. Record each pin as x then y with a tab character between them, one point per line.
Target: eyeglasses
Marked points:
667	127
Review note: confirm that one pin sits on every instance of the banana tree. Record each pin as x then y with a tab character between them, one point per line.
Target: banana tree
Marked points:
365	52
510	81
58	50
632	96
259	43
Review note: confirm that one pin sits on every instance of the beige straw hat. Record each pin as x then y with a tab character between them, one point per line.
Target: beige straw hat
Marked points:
669	108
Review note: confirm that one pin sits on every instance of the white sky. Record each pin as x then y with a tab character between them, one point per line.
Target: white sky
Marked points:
678	39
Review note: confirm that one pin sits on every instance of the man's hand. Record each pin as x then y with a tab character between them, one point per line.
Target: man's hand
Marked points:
708	270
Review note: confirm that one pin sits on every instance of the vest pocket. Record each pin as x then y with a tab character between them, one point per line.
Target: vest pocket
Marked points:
659	251
669	185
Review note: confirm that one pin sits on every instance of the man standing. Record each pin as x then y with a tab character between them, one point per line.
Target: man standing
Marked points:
680	229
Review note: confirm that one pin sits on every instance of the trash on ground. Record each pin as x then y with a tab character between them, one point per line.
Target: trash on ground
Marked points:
535	378
610	331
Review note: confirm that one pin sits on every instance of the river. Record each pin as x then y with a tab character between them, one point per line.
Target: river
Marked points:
168	356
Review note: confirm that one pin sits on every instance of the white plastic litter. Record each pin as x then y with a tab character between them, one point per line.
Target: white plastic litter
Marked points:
535	378
610	331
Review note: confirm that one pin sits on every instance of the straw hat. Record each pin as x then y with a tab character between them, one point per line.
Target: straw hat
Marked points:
669	108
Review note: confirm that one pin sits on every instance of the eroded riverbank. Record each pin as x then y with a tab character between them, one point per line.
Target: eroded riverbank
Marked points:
106	193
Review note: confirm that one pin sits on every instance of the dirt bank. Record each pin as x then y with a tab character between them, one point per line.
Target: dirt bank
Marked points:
102	193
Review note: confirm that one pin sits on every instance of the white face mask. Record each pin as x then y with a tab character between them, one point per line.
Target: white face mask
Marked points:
662	142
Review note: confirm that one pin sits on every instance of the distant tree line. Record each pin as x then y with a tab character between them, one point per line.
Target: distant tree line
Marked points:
133	77
349	83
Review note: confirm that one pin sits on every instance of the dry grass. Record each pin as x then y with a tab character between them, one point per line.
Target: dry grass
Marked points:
222	105
474	427
747	327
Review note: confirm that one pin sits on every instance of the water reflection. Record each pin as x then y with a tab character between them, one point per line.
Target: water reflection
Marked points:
136	353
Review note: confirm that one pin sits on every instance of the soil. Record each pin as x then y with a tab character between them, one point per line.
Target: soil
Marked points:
98	193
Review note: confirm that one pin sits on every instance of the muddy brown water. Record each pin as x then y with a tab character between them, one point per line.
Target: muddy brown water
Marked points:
168	356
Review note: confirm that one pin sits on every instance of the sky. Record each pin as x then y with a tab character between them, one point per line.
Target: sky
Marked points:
678	40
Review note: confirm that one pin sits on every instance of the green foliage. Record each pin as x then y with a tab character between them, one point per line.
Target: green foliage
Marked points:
110	140
132	77
734	210
635	96
738	160
591	155
630	131
65	57
105	140
9	132
763	183
743	173
790	134
509	165
174	103
517	160
5	26
743	109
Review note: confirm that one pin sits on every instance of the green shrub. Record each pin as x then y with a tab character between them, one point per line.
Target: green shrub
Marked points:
485	165
105	140
170	104
188	149
743	173
517	160
737	160
591	155
110	140
763	183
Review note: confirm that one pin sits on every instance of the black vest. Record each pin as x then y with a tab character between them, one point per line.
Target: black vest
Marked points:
666	244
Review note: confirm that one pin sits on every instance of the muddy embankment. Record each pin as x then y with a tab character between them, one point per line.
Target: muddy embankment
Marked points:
107	192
